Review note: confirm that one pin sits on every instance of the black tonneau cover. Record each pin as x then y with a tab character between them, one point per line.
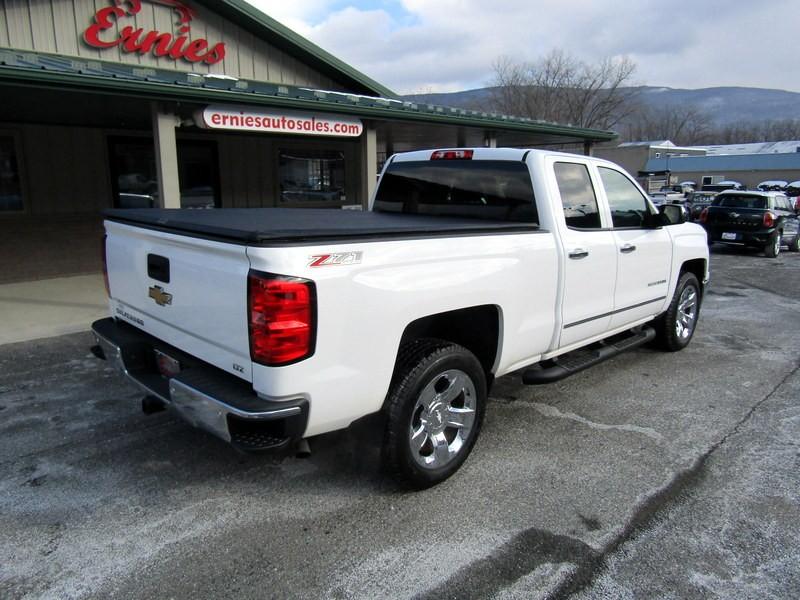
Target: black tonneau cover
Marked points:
270	226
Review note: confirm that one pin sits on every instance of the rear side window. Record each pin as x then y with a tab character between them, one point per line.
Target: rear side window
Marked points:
732	201
485	189
628	205
577	196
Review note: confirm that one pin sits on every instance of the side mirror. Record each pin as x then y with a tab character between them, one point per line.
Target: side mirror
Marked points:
673	214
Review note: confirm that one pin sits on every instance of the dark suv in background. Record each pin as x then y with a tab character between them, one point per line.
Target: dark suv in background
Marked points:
760	219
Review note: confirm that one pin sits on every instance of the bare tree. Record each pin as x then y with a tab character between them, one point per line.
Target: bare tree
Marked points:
563	89
685	125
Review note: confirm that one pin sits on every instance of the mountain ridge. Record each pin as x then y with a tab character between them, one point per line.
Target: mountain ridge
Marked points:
725	104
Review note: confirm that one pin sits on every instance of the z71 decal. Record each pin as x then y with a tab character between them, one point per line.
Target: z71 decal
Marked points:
336	260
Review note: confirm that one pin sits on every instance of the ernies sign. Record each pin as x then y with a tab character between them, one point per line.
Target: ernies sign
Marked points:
277	121
104	33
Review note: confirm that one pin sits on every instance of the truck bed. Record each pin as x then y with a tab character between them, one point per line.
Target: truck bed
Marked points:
280	226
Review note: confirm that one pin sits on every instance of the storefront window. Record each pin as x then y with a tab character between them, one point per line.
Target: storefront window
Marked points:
10	185
135	178
197	167
133	169
312	176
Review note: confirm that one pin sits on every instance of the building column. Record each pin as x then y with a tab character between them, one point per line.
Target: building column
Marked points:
369	163
490	140
588	148
166	147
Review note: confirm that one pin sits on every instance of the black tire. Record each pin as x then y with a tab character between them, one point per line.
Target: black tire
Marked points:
773	247
425	367
669	335
795	245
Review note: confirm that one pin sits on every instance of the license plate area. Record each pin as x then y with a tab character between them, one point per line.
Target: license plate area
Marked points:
167	366
730	236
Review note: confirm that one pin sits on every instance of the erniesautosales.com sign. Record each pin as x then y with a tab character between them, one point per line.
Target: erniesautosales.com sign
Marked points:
278	121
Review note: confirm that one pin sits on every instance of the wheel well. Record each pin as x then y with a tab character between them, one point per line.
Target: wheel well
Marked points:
697	267
477	329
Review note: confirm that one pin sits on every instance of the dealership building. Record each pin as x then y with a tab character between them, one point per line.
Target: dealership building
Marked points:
201	104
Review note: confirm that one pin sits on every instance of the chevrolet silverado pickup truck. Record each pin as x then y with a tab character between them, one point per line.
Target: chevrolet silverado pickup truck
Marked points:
270	326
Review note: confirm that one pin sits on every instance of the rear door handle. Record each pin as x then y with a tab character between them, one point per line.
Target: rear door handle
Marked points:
578	253
628	248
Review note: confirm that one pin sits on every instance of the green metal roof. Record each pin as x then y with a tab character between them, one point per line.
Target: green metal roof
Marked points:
60	72
247	16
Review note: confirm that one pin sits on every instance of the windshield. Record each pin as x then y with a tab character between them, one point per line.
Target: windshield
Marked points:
484	189
741	201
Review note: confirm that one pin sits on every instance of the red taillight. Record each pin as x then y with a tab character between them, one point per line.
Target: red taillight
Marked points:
105	265
282	314
452	155
769	219
704	215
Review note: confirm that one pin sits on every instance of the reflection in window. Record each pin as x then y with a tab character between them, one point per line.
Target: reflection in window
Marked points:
577	196
312	176
197	169
133	168
628	206
10	186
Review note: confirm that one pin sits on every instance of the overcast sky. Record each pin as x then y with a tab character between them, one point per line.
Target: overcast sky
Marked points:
416	46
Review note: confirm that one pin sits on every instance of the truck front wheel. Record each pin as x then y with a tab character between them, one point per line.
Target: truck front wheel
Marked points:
675	327
434	412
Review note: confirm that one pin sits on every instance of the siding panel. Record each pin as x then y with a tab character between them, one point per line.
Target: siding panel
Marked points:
42	28
3	25
65	28
19	24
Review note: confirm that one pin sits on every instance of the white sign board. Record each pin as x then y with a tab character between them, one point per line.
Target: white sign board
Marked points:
237	118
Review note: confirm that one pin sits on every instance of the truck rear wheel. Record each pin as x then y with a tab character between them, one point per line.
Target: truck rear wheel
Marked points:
675	327
434	412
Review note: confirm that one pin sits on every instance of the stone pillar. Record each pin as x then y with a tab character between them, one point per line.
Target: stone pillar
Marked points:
166	148
369	163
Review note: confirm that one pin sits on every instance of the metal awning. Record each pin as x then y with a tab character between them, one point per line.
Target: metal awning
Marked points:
56	71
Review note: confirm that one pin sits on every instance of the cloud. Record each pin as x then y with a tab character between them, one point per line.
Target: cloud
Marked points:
419	45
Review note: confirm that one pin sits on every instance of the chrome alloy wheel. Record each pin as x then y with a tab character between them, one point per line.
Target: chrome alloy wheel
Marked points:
776	244
442	419
687	313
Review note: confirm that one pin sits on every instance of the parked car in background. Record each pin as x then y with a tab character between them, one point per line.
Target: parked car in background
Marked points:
723	186
793	189
669	194
697	201
776	185
759	219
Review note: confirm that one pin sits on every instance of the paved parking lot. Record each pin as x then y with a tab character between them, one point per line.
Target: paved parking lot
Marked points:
650	476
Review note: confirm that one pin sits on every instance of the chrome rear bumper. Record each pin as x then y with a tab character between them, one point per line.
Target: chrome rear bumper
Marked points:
201	394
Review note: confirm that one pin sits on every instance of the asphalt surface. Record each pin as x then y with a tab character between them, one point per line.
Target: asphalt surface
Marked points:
650	476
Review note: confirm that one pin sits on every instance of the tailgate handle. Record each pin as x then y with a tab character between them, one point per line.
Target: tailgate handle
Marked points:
158	267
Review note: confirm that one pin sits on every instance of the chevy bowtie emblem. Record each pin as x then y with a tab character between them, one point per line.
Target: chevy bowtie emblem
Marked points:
161	297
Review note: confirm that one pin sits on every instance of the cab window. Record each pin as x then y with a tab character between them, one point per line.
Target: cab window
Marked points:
628	206
577	196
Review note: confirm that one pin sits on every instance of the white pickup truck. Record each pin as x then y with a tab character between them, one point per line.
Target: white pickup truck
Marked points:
269	326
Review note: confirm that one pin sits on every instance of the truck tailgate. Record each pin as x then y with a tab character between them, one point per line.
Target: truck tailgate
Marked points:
186	291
